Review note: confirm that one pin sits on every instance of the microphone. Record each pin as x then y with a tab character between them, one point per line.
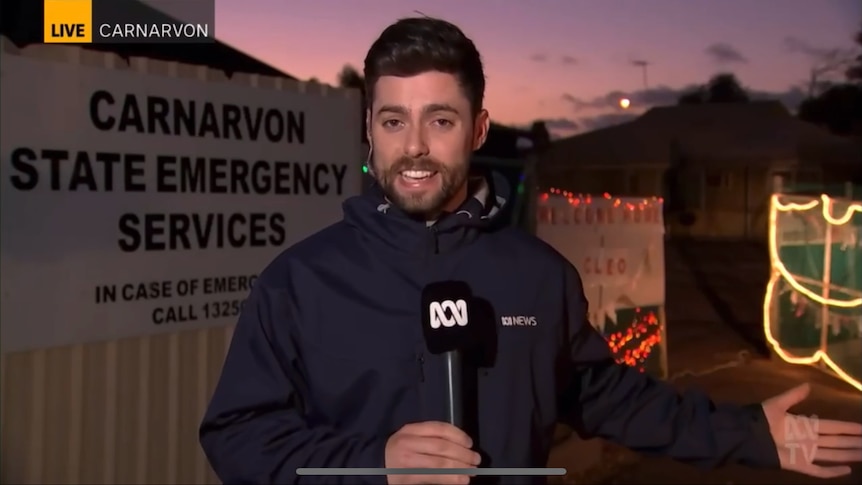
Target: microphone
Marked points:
448	330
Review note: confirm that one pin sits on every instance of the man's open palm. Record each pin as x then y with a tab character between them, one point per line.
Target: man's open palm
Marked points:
803	441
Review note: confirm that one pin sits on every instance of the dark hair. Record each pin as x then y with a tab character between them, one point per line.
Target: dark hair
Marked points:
413	46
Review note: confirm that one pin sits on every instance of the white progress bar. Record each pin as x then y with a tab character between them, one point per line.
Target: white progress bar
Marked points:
503	472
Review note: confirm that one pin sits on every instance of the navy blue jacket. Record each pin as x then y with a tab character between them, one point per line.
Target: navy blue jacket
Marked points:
328	357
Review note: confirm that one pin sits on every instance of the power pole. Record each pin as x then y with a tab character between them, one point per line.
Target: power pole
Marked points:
643	65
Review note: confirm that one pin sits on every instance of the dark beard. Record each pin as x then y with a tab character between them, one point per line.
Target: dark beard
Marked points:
426	206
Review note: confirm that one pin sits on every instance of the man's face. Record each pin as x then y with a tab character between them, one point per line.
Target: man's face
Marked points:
422	134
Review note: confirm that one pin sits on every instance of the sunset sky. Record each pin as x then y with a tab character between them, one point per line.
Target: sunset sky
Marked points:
566	61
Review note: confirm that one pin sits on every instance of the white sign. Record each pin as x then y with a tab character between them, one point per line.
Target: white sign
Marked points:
617	245
135	204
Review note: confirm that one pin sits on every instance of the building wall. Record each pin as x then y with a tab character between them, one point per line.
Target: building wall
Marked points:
726	203
715	197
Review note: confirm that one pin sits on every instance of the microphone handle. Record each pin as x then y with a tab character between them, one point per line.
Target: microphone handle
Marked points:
454	397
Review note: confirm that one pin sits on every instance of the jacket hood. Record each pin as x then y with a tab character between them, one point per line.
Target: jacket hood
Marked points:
382	223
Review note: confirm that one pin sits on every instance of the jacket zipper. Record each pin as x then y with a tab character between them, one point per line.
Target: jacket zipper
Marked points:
420	359
436	242
435	249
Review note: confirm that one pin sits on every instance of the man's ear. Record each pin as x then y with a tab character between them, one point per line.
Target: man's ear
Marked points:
480	128
368	164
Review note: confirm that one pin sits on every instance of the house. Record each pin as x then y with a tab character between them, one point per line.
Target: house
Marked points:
714	164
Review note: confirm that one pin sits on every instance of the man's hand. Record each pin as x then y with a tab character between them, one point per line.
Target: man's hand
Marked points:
801	441
431	444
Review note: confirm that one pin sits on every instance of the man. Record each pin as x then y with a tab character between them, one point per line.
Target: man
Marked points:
328	367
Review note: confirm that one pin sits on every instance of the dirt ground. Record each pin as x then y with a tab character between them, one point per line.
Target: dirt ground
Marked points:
715	343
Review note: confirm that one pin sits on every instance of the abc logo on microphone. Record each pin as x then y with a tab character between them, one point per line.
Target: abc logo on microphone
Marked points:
446	316
448	313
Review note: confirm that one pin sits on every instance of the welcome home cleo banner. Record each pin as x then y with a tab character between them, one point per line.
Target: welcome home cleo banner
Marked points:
617	245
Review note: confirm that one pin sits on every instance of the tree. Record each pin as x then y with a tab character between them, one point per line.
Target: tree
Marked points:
828	67
838	109
540	134
725	88
697	95
828	70
721	88
349	77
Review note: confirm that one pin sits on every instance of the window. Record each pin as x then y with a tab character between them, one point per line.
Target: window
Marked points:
718	179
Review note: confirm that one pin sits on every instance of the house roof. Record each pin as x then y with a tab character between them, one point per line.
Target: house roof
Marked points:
21	23
623	144
720	133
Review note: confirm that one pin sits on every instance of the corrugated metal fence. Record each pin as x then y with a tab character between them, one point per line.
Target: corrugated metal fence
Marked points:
112	412
124	411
